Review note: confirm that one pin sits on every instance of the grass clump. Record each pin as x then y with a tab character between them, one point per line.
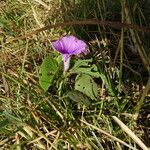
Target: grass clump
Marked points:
99	115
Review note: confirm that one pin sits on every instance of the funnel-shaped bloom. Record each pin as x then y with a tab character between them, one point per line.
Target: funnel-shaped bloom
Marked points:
68	46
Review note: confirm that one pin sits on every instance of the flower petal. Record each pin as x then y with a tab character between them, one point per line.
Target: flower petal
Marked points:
66	59
70	45
58	46
68	42
80	47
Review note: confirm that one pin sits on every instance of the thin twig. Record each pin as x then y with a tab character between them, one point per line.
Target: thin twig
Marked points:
117	25
141	101
130	133
107	134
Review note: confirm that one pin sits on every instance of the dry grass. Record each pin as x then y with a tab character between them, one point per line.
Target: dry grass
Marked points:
33	119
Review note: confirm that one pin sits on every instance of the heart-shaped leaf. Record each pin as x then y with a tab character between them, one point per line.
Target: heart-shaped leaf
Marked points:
79	97
85	84
81	63
84	66
47	72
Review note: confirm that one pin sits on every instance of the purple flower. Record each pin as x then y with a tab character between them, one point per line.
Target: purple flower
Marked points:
68	46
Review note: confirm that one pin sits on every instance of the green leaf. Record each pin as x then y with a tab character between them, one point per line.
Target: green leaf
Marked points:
47	72
87	71
83	66
85	84
79	97
81	63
